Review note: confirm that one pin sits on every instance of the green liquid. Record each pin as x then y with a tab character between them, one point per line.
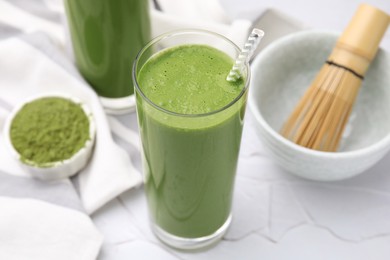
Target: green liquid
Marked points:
106	37
190	162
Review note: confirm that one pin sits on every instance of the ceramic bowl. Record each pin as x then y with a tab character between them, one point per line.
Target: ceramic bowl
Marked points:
60	169
281	74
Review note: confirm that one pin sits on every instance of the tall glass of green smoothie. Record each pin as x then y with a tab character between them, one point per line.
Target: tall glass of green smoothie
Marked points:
106	36
190	119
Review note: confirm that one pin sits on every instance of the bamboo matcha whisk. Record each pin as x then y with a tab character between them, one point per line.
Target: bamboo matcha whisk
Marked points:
320	117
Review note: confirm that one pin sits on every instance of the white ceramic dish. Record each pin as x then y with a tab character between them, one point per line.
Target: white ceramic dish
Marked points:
61	169
280	75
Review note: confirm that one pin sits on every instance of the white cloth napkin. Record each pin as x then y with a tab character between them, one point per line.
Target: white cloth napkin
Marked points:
34	228
24	71
31	229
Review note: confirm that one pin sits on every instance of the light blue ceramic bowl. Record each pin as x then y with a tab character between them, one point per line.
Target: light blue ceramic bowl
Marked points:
280	75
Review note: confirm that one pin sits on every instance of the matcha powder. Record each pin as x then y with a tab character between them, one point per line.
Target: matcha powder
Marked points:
49	130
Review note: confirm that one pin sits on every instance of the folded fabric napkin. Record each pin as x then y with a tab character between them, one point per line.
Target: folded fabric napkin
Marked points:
34	229
26	71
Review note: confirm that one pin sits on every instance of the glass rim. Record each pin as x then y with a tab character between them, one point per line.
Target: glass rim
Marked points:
183	32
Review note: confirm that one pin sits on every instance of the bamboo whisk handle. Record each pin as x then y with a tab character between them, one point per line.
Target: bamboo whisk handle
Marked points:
359	42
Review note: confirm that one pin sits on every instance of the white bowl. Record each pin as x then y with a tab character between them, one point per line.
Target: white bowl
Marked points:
280	75
60	169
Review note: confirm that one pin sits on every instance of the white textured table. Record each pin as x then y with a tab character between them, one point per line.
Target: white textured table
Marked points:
276	215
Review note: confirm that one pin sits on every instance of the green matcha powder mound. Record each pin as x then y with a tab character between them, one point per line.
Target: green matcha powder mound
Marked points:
48	130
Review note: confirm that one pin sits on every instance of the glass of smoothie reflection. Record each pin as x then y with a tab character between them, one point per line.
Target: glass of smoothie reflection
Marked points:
190	119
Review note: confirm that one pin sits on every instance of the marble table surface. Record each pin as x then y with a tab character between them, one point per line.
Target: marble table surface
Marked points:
275	215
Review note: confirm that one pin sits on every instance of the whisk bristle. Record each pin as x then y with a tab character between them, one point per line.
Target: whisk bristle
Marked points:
321	115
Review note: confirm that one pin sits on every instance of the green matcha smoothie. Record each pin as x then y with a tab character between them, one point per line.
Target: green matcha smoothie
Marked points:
190	122
106	36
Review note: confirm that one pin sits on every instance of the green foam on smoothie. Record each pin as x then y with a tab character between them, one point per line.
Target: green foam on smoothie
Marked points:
189	79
